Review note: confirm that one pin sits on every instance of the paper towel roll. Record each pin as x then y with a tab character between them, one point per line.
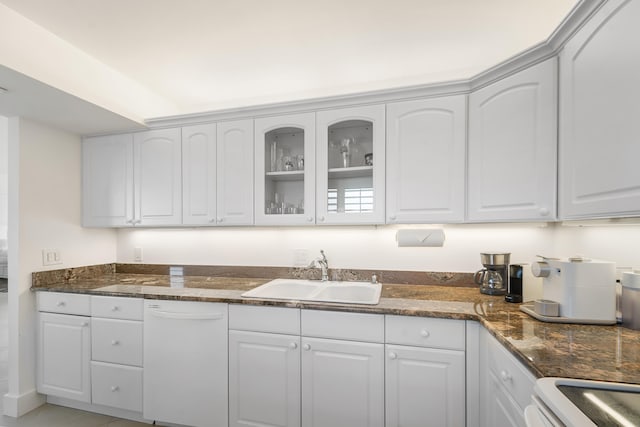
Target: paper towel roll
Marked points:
421	237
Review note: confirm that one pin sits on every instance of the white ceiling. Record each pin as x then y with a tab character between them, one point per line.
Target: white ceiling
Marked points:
211	54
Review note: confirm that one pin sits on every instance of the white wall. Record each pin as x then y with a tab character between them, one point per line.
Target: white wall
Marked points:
44	212
4	153
375	247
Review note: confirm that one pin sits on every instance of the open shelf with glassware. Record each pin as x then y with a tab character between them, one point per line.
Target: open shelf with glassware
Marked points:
350	187
284	181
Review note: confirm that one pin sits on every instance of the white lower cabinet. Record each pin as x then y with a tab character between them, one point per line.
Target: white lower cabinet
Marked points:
342	383
506	385
118	386
264	379
424	384
116	352
425	372
64	353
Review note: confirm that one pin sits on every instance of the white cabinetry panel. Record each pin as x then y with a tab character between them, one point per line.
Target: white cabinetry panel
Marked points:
107	181
506	385
285	186
599	111
199	174
424	386
64	353
234	174
512	147
348	191
158	177
117	386
264	379
426	144
342	383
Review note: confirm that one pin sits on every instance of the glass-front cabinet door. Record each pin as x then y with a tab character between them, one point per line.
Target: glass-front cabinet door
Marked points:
351	163
285	170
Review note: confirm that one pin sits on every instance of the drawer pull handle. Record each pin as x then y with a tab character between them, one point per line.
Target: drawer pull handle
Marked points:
392	355
115	388
293	345
84	324
306	347
115	308
115	342
425	333
505	376
61	304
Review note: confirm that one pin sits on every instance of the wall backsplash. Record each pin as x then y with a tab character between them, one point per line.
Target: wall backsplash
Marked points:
369	247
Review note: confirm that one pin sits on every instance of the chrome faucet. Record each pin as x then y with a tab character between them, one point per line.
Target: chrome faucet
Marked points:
323	264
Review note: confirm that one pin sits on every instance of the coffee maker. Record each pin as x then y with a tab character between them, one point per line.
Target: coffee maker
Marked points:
494	277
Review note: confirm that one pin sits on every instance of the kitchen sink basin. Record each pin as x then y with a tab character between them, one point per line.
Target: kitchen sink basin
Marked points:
348	292
315	290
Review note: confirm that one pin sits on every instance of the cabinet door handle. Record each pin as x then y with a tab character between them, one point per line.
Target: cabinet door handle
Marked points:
544	211
505	376
306	347
293	345
129	221
220	219
115	342
392	218
115	388
84	324
310	219
61	304
212	220
393	355
425	333
115	308
321	218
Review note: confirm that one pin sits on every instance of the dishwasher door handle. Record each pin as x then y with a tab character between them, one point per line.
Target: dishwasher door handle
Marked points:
186	316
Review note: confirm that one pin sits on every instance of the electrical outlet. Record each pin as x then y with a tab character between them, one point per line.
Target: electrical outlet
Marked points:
137	254
51	257
300	257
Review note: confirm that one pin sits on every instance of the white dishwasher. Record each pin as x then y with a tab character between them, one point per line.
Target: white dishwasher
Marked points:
185	363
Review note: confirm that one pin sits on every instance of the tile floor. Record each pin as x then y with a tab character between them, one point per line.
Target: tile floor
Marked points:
47	415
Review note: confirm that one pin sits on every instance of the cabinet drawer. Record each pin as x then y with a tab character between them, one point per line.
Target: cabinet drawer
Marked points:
116	341
117	307
513	376
346	326
425	332
277	320
61	302
117	386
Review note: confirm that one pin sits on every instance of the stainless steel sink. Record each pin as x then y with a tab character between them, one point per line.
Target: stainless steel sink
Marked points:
315	290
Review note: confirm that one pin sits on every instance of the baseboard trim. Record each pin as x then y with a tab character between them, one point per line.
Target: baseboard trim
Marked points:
98	409
17	405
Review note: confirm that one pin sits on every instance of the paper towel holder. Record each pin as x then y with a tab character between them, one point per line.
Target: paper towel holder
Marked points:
423	237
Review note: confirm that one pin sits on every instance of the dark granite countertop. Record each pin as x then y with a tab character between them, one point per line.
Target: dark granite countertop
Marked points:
606	353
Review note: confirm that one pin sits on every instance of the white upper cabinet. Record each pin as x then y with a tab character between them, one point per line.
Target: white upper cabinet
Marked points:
132	180
234	175
512	147
216	175
285	170
426	143
199	175
350	165
157	177
599	111
107	181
